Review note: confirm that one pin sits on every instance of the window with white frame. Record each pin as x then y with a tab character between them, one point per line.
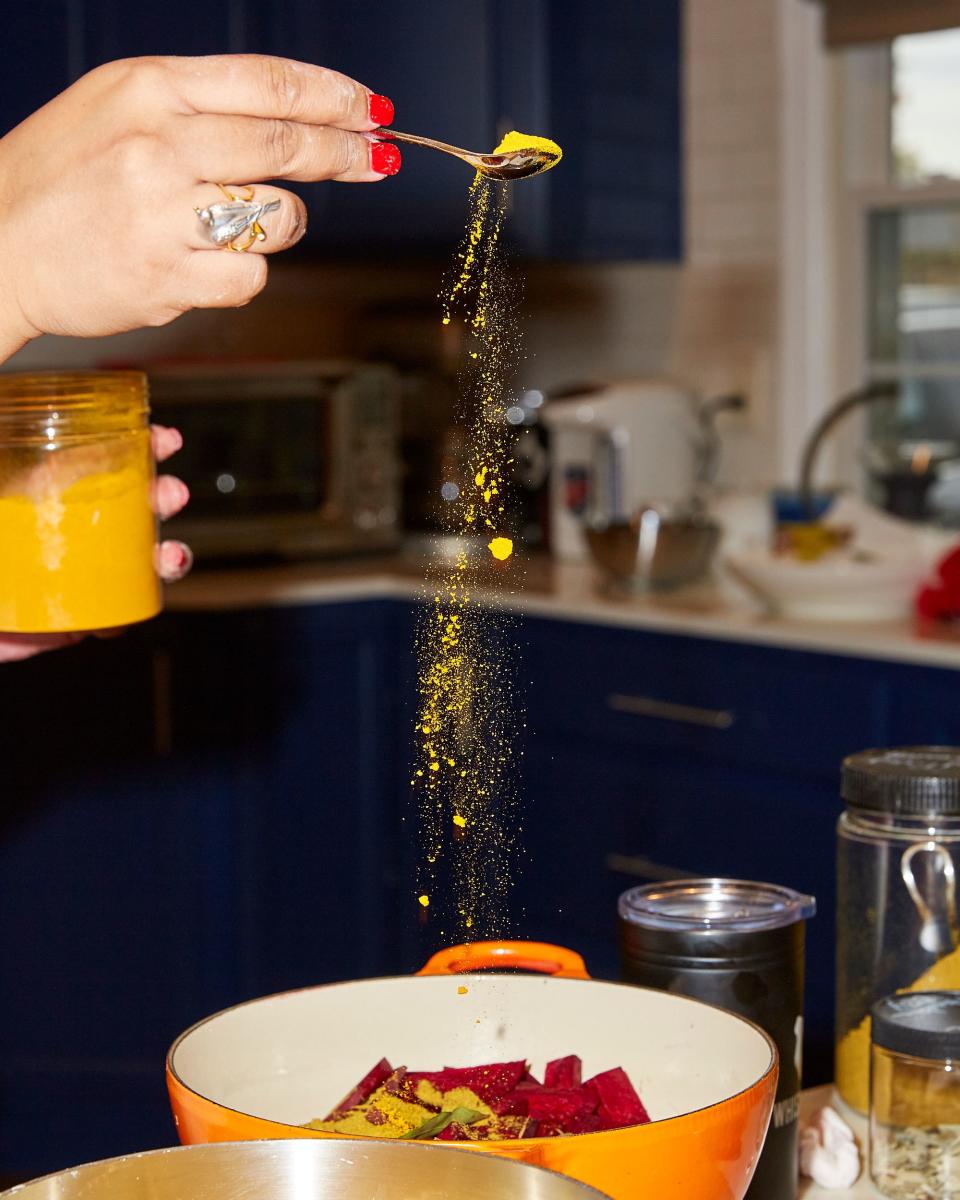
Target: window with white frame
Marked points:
901	166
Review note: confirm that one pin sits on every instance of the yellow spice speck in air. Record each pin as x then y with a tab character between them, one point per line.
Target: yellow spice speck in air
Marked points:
459	821
527	141
424	900
501	548
462	991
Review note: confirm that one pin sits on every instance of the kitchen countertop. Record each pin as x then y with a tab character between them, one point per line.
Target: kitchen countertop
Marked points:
562	591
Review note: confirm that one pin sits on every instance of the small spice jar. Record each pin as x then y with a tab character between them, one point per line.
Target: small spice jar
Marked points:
915	1096
898	856
77	532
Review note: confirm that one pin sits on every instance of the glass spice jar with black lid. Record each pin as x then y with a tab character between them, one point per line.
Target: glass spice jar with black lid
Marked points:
898	854
915	1096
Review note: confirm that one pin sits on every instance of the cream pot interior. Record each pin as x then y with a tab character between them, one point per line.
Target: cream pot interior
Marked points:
293	1056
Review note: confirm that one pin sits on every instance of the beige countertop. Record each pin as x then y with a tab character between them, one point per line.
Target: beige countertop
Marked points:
562	591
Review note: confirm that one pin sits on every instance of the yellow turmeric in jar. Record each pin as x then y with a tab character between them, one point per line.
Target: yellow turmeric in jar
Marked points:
853	1050
77	532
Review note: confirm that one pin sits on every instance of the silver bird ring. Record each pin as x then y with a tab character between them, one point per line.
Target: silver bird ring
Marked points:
234	223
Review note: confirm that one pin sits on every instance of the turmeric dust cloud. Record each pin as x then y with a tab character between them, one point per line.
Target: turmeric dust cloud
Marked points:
468	718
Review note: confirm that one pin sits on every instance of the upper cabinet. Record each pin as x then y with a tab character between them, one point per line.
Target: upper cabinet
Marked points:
602	79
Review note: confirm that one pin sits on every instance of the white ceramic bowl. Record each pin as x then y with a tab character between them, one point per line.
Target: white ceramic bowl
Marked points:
837	587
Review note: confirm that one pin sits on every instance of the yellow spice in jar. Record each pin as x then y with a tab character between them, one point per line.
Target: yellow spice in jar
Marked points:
80	557
853	1050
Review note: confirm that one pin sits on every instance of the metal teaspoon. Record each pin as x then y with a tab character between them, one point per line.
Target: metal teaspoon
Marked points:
515	164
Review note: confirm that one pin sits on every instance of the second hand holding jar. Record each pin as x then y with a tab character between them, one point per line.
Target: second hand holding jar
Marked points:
77	531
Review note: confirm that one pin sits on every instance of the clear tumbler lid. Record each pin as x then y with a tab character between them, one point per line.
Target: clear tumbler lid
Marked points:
734	905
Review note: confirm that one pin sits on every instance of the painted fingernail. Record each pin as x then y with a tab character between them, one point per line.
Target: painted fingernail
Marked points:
176	559
381	109
384	158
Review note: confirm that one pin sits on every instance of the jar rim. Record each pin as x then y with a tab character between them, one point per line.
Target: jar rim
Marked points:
736	905
25	391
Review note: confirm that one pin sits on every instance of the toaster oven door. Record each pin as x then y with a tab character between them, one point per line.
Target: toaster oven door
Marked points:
263	459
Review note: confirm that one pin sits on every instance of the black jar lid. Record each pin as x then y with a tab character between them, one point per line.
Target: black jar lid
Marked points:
921	1024
909	780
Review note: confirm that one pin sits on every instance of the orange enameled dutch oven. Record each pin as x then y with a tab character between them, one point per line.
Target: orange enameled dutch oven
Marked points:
706	1076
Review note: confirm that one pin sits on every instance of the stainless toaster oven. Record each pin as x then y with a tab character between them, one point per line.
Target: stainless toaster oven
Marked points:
293	459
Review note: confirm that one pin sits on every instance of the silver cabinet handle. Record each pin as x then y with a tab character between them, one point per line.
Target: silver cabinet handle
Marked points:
664	710
645	868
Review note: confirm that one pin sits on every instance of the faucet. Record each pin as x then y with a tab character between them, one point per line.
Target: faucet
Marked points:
871	394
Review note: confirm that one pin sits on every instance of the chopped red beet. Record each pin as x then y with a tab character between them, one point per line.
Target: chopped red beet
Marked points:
585	1123
364	1090
454	1132
619	1103
491	1082
513	1105
559	1104
563	1072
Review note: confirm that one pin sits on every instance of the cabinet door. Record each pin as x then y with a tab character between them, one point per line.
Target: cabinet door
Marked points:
433	60
198	812
112	29
101	872
604	81
314	820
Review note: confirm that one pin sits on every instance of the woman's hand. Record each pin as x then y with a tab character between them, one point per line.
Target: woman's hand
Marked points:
100	189
174	559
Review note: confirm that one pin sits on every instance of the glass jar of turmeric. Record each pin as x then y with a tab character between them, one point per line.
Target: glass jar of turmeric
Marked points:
77	531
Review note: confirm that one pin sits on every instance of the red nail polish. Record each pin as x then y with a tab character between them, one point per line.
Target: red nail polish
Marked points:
381	110
384	158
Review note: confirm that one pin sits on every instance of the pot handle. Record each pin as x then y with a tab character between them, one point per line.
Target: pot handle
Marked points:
539	957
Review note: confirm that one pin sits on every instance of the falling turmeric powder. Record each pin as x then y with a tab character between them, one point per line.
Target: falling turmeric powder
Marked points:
467	721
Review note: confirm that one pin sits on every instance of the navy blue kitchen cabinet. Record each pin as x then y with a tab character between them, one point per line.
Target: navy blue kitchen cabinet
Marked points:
217	805
651	756
603	80
199	812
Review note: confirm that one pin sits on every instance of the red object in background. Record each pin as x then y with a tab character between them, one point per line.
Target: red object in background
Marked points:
939	600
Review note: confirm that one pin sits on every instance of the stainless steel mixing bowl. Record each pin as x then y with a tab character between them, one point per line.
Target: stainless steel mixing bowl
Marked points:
306	1170
653	551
